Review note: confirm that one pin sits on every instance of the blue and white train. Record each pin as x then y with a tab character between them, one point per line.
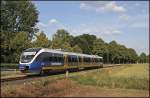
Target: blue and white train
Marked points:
41	60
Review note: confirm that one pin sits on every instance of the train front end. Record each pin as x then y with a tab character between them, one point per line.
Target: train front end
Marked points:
27	61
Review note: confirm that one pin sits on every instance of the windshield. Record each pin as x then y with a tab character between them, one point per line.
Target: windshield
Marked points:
27	57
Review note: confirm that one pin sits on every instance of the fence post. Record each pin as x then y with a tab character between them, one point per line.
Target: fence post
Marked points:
67	73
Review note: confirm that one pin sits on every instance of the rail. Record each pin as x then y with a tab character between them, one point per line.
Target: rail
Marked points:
38	76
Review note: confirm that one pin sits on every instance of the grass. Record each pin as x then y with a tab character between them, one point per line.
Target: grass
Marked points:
42	87
10	73
64	88
134	76
121	77
8	65
135	70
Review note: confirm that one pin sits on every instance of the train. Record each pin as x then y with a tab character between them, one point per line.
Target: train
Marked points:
43	60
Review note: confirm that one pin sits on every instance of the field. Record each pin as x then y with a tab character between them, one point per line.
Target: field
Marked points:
120	81
127	76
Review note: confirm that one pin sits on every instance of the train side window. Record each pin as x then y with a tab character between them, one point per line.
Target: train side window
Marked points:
84	59
40	57
72	59
98	60
62	59
80	59
55	58
95	60
75	59
89	60
50	58
101	60
69	59
46	59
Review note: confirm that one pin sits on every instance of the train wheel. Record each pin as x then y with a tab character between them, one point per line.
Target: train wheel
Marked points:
101	65
41	73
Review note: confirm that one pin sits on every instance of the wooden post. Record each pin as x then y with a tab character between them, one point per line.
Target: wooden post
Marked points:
67	73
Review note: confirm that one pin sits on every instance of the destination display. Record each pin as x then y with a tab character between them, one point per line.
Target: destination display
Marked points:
29	53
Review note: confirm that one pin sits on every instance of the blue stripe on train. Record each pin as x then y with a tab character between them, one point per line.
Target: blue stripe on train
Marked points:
37	65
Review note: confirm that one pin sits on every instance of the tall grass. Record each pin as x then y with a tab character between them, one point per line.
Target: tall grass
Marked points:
124	77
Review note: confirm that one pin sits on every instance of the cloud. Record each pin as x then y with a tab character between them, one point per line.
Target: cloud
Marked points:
50	23
84	6
102	6
97	30
135	21
113	7
111	31
53	21
124	17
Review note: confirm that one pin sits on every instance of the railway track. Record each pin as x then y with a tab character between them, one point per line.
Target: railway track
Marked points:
13	78
38	76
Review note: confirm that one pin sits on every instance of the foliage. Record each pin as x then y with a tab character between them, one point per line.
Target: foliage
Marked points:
61	40
85	42
77	49
16	17
41	41
143	58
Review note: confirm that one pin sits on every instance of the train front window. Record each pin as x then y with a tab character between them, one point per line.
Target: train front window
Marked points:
27	57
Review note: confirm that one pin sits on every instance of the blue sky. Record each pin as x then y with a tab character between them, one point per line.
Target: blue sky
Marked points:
127	22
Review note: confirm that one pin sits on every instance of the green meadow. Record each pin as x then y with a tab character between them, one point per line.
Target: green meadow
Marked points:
133	76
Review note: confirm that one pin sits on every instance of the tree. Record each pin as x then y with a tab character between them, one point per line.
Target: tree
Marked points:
20	42
121	54
113	50
41	41
66	46
77	49
85	42
132	55
62	40
147	58
142	58
98	47
16	17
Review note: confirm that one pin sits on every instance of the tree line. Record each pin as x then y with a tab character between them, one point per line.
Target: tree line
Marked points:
18	32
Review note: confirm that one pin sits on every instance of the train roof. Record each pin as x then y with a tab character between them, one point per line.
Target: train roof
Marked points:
60	52
32	49
68	53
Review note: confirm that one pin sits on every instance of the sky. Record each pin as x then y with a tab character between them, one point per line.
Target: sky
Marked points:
126	22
